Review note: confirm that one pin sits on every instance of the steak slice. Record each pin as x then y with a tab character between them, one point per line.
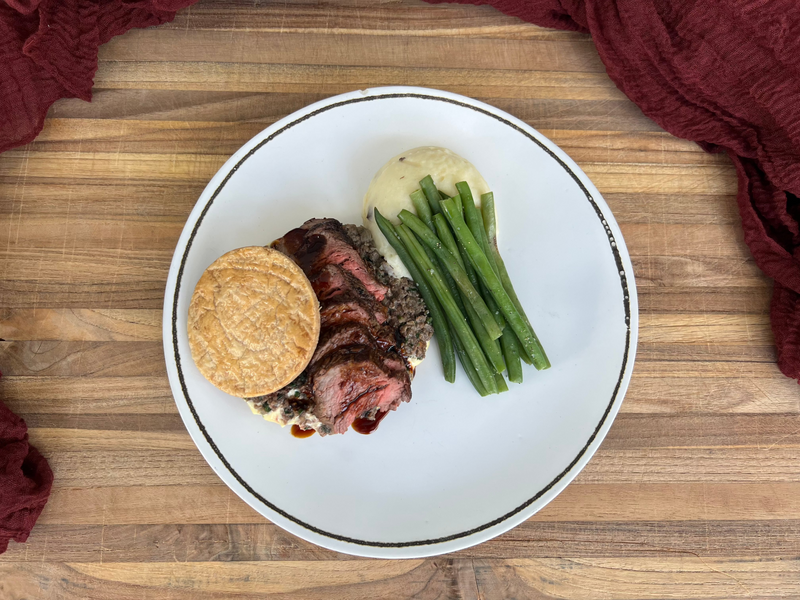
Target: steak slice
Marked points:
333	281
320	242
355	381
344	308
351	334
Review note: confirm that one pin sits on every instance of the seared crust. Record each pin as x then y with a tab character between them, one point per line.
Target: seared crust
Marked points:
253	322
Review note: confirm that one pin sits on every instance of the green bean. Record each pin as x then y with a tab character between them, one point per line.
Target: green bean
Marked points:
456	318
502	386
489	217
521	351
490	303
448	278
431	193
489	220
487	208
476	283
487	297
492	306
476	226
490	279
422	207
469	369
438	318
500	319
498	315
413	222
424	213
511	354
496	311
459	204
475	222
446	237
490	347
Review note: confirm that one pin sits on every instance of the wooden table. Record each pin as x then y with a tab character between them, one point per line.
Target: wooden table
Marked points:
694	494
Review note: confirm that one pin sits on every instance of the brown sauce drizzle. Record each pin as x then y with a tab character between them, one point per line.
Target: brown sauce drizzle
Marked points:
367	426
293	240
302	433
304	248
308	254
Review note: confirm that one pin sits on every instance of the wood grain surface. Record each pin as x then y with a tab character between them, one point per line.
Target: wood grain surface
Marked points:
694	494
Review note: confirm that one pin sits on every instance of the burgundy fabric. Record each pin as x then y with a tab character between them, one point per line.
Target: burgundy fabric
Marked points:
726	75
25	480
48	50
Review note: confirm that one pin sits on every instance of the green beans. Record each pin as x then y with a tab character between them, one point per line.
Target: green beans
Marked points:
469	369
455	317
446	237
487	208
490	304
423	209
489	220
491	347
459	204
470	212
438	319
450	249
502	386
475	222
431	193
479	227
508	341
458	274
492	282
489	217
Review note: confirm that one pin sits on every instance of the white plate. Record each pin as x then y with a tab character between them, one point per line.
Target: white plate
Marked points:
449	469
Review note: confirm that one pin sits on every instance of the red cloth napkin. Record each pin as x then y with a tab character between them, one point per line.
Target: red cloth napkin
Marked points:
25	480
48	50
727	76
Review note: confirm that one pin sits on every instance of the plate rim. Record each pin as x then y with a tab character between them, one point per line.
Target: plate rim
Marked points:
408	549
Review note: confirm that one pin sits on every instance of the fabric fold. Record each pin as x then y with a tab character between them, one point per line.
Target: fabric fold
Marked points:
25	480
727	76
49	51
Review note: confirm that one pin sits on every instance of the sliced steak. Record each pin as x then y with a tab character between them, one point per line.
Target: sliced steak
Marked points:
357	371
407	311
321	242
344	308
354	381
333	281
394	362
351	334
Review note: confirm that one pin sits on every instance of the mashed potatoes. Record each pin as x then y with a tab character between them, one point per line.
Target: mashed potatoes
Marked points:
394	182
